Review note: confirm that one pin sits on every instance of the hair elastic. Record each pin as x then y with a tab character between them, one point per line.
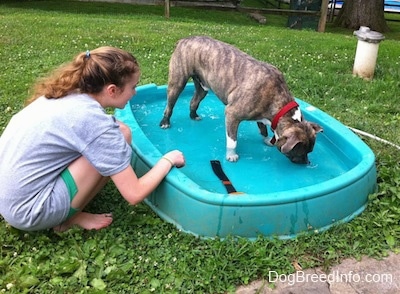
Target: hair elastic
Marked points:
87	53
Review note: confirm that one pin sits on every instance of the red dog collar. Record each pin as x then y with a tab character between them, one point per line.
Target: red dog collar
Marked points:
285	109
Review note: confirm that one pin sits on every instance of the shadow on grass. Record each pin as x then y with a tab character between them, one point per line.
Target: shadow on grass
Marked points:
124	9
82	7
176	13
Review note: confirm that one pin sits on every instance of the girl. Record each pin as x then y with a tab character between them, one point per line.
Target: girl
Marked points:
62	148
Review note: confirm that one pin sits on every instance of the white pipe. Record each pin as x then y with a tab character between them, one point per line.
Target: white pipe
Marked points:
374	137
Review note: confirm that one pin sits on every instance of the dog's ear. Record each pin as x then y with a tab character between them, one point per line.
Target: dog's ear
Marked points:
287	143
317	128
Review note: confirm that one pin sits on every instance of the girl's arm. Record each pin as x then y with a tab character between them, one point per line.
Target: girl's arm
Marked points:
135	189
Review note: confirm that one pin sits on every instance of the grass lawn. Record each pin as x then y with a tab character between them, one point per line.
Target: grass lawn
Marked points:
140	253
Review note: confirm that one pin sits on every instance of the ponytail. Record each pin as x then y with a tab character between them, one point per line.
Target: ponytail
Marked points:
88	73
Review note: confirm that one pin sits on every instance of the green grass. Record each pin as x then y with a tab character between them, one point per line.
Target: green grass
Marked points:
140	253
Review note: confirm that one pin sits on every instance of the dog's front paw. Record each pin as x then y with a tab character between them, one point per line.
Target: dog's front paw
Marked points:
165	126
232	156
267	140
164	123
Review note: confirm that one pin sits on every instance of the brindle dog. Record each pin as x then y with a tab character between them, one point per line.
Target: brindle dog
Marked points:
250	89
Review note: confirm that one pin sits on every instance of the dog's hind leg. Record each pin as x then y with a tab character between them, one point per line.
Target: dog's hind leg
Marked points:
175	88
263	129
198	96
264	132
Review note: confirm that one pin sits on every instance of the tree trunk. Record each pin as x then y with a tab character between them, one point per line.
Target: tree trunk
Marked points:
356	13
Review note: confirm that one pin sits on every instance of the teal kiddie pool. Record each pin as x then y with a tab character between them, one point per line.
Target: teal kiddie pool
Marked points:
279	198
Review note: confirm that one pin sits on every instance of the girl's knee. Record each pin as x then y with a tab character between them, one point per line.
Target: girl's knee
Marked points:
126	131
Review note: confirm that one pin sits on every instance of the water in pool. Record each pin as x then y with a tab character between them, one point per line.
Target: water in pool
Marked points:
261	169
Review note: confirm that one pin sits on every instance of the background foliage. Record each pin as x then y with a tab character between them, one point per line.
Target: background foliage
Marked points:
140	253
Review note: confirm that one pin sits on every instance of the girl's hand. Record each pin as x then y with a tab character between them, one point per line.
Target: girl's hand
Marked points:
176	158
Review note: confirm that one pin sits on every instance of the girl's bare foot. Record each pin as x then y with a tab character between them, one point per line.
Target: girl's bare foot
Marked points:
87	221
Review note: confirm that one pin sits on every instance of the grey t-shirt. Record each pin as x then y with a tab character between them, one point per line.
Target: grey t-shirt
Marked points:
42	140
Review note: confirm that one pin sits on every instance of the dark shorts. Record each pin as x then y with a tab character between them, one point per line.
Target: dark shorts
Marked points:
72	189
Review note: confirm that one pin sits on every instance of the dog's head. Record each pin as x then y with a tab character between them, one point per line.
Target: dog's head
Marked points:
298	140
